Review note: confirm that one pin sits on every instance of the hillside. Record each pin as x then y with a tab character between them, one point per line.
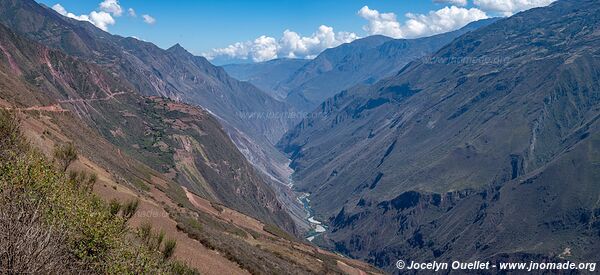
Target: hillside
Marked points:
185	143
488	149
51	222
190	180
251	117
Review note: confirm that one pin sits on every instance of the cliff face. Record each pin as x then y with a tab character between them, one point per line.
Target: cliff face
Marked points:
496	116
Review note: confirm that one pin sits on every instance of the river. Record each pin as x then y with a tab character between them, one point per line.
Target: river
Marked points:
317	227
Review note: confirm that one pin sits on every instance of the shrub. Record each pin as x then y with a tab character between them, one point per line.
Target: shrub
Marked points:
11	139
145	232
115	207
169	248
48	226
83	181
130	208
159	239
64	155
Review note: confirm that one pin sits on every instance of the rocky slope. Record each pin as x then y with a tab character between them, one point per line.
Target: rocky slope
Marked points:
251	117
181	141
488	149
191	181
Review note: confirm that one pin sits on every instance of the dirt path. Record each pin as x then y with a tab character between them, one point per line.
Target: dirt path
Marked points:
50	108
81	100
56	108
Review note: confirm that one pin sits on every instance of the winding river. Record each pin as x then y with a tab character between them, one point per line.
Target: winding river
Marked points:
317	227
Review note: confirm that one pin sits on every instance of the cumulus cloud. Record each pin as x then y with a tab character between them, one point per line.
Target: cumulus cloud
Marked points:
60	9
149	19
460	3
100	19
449	18
104	15
112	7
419	25
290	45
509	7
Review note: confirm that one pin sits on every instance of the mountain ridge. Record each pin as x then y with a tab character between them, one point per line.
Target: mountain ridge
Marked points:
173	160
461	138
252	118
110	106
306	83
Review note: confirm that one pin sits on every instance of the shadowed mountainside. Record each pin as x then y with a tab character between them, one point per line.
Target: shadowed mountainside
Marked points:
267	75
489	148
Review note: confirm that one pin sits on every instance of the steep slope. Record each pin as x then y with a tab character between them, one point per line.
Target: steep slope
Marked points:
266	75
364	61
488	148
145	148
184	142
253	118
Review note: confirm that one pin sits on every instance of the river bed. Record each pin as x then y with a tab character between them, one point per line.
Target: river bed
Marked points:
317	227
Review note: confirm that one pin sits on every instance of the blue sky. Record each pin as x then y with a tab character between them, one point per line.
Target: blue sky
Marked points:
203	25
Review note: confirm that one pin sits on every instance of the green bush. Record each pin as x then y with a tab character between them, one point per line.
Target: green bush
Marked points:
159	239
64	155
130	208
145	232
115	207
82	180
169	248
49	226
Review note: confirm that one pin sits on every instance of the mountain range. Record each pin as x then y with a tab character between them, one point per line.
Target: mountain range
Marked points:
487	150
481	144
252	118
267	75
305	84
187	145
174	159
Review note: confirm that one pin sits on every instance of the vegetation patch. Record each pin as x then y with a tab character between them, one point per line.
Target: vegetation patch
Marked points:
51	223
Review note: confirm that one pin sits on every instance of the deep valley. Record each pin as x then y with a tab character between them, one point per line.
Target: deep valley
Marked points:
479	142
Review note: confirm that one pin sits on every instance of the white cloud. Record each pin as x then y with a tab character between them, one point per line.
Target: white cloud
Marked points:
460	3
380	23
509	7
103	16
112	7
60	9
149	19
264	48
290	45
419	25
100	19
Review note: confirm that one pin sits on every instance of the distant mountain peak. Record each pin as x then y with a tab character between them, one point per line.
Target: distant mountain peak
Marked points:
178	49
